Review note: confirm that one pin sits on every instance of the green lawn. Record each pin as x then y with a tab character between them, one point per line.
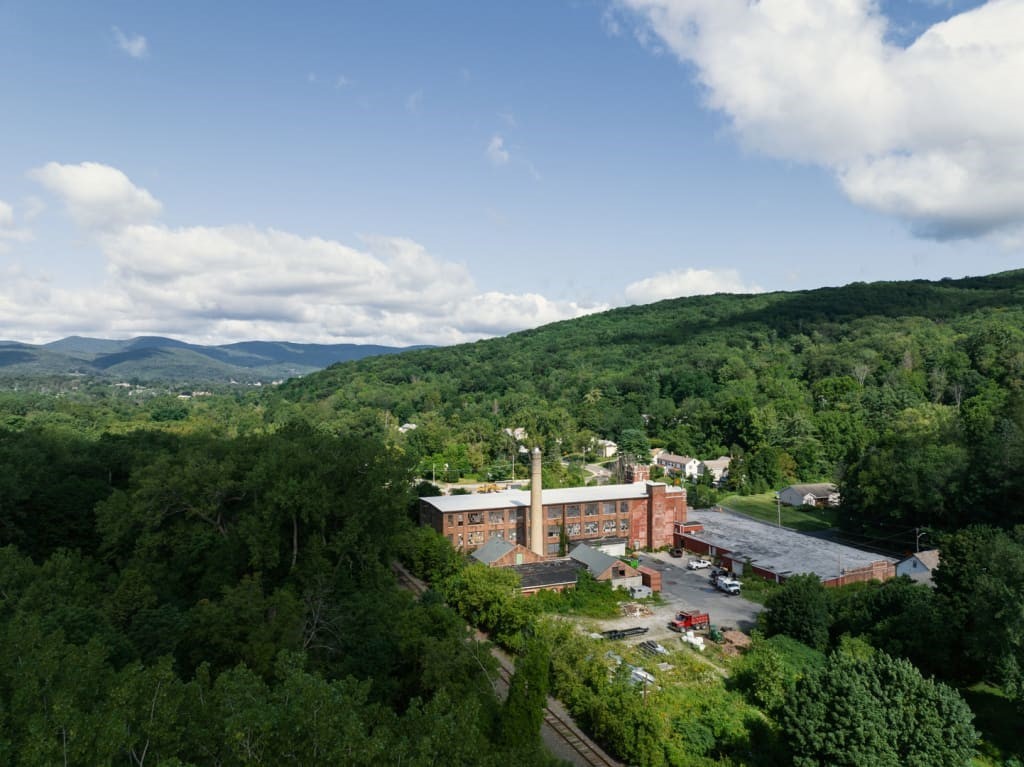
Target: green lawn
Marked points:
763	507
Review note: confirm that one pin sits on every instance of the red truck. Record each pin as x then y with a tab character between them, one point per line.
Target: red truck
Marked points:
690	620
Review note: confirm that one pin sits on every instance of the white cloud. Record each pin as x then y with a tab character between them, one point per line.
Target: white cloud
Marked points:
9	232
496	151
932	133
229	283
342	82
97	196
687	282
135	46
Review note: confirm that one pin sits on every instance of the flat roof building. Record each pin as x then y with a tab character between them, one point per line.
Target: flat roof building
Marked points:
777	553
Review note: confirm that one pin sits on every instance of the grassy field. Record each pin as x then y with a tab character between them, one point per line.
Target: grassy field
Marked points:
763	507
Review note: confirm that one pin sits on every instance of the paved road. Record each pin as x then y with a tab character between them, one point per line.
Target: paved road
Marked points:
683	589
686	589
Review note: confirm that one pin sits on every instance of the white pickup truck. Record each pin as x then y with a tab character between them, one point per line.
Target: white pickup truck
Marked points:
728	585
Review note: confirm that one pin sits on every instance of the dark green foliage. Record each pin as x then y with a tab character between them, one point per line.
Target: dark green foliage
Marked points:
769	670
523	712
799	610
232	605
900	617
870	710
980	587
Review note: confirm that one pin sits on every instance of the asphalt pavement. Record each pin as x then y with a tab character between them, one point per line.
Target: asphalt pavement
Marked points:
683	589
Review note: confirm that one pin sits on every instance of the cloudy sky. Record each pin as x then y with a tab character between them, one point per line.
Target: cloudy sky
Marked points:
383	171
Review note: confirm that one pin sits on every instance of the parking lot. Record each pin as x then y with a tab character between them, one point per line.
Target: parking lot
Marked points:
684	589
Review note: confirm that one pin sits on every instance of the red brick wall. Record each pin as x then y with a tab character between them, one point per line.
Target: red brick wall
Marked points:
509	559
692	544
651	578
876	571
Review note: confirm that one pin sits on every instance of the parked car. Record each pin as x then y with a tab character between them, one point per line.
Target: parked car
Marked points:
640	592
675	553
698	564
730	586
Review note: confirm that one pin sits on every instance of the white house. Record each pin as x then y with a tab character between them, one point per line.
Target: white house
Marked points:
606	448
718	467
919	566
679	464
820	494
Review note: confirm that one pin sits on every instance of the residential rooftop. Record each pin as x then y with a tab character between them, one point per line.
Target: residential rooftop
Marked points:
778	549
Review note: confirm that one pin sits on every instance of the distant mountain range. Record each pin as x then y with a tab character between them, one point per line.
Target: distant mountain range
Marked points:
150	359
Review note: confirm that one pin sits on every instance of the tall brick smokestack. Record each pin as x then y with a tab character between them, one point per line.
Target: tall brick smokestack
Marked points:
536	508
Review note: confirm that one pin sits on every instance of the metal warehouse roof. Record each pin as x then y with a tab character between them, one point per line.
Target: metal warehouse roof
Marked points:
778	549
521	498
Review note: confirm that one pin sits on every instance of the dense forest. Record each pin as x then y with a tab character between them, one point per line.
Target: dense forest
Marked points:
908	394
208	580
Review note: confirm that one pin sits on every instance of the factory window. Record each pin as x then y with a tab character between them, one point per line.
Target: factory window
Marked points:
590	509
520	515
609	525
475	539
459	519
572	529
554	532
554	512
476	518
572	510
608	507
590	528
451	539
497	517
511	535
624	525
460	540
553	548
499	534
623	507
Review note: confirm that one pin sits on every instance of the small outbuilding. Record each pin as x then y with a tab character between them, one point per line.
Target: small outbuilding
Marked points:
500	553
604	567
919	566
821	495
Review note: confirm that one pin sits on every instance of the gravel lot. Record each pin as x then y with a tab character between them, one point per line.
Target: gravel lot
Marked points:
684	589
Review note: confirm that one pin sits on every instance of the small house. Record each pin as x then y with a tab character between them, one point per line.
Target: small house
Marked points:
821	495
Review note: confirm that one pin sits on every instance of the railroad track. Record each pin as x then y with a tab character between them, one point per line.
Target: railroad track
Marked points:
559	725
567	731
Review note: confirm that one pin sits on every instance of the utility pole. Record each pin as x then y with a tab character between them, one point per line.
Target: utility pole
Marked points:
778	507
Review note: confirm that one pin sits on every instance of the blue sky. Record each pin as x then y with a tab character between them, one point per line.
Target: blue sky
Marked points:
401	172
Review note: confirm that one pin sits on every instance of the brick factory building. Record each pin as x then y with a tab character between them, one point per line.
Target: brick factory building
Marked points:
645	513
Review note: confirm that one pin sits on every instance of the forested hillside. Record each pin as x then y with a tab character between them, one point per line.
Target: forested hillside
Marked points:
907	393
207	581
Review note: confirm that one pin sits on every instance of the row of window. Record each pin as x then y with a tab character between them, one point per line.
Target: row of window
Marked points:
571	511
574	529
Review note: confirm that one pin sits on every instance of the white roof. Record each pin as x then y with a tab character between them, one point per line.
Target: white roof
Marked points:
521	498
